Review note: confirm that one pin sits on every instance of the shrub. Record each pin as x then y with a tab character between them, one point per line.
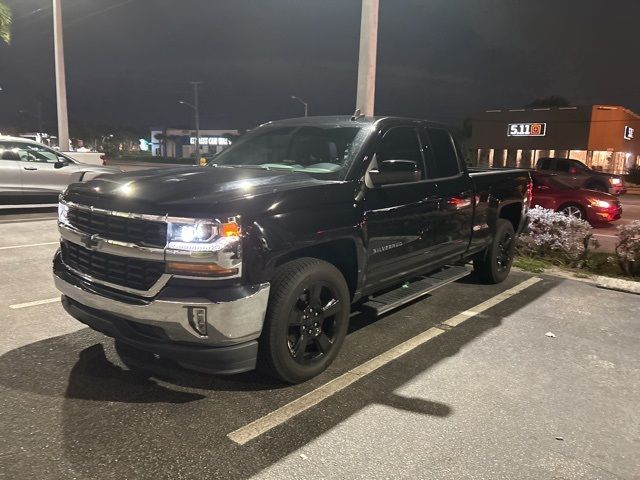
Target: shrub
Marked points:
628	248
634	175
557	237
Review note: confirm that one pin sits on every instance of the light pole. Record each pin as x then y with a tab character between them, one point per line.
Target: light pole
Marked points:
196	110
306	105
365	101
61	85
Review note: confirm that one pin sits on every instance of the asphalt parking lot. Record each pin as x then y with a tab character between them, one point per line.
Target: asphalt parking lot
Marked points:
463	384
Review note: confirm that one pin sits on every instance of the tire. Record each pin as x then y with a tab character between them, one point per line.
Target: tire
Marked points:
306	322
494	266
574	210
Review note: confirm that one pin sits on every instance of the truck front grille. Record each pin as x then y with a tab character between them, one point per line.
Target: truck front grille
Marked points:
124	271
140	232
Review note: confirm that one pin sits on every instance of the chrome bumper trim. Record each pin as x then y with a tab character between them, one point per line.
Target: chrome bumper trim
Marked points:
228	323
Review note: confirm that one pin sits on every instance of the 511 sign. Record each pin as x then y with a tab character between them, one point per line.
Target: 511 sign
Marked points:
527	130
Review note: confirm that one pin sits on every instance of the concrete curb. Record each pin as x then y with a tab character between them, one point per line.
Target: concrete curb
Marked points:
619	284
609	283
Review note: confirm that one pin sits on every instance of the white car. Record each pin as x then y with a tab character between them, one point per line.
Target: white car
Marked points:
32	173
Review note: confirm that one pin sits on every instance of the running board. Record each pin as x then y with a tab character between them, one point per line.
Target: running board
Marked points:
412	291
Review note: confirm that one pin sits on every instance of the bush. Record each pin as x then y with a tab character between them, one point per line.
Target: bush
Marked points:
628	248
557	237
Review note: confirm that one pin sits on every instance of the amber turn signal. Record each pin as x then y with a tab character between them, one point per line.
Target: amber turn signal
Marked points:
230	229
200	269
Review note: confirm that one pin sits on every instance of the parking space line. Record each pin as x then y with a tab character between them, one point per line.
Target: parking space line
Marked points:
602	235
34	304
23	220
262	425
29	245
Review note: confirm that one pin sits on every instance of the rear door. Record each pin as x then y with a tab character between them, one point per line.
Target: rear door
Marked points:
565	173
399	218
454	186
10	181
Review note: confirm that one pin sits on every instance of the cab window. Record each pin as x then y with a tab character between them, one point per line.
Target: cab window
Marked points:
442	158
34	153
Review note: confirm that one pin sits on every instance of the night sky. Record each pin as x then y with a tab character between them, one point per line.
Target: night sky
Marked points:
129	61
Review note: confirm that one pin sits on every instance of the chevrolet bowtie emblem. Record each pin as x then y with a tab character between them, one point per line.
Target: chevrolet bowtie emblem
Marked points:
89	241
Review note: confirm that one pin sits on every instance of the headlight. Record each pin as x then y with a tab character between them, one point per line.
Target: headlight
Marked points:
204	248
63	213
600	203
615	181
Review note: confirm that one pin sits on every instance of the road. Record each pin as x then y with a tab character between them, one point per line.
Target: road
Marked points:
607	235
464	385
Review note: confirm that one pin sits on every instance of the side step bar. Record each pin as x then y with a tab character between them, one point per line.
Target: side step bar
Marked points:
412	291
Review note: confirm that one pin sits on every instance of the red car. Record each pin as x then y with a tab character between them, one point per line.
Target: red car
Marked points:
590	205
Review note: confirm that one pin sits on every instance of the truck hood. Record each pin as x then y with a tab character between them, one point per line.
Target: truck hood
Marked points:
195	191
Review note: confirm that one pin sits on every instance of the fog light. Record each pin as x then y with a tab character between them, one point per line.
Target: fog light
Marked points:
198	319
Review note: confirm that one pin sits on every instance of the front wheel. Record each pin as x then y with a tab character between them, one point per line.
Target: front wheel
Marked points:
307	320
573	210
494	266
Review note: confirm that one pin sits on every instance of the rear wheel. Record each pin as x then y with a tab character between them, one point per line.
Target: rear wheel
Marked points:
573	210
307	320
494	266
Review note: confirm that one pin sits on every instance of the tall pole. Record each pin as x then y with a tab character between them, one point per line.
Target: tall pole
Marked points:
196	108
365	101
61	84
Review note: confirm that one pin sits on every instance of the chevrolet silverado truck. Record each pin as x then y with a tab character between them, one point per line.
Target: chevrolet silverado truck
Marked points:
258	259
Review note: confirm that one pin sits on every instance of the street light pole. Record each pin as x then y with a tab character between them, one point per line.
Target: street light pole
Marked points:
196	108
365	101
61	84
306	105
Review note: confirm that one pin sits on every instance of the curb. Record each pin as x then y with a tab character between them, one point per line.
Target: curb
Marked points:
608	283
618	284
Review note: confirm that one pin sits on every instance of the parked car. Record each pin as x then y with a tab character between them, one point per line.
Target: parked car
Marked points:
32	173
574	173
590	205
258	258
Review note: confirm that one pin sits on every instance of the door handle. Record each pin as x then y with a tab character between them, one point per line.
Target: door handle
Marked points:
30	168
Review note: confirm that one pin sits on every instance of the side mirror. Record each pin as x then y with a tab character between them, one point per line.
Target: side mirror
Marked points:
395	171
60	163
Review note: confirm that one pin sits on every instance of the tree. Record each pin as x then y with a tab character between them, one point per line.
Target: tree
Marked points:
549	102
5	23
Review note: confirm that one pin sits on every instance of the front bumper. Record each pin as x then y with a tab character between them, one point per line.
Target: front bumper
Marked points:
235	316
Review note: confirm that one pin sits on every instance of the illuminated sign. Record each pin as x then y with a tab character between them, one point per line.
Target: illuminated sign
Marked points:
527	130
210	141
629	133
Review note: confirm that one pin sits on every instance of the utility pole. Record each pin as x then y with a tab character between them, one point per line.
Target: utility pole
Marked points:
365	101
61	85
196	108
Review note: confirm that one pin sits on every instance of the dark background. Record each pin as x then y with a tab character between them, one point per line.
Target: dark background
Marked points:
129	61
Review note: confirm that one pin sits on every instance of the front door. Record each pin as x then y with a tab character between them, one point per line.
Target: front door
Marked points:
399	217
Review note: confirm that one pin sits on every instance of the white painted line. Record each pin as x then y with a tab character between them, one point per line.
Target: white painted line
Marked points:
601	235
22	220
29	245
34	304
262	425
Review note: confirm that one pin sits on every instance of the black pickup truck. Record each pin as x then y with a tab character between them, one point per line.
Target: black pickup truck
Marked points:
258	259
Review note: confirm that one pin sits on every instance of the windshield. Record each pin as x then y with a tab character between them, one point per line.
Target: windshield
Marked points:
318	149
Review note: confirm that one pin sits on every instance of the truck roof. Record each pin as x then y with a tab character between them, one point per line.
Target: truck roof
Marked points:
347	120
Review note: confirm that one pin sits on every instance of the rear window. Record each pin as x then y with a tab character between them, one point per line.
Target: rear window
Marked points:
443	159
544	164
562	166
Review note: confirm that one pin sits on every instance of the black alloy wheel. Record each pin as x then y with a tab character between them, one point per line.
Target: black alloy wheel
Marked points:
494	264
306	322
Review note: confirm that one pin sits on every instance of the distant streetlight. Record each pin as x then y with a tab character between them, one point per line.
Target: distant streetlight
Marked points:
365	101
306	105
196	109
61	84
